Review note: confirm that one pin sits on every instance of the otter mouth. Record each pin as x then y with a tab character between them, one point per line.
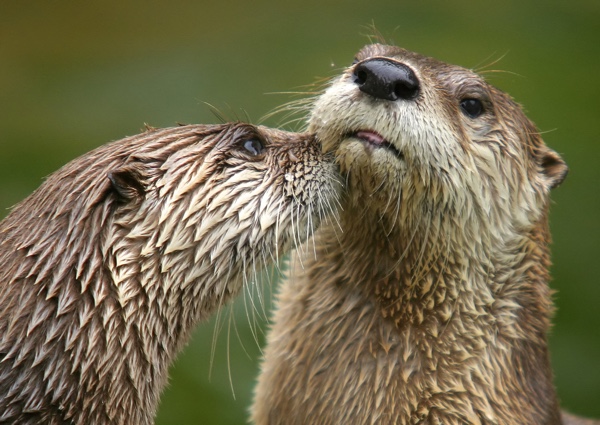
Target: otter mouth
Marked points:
375	140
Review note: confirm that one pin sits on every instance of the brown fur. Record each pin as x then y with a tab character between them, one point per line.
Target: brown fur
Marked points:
433	305
108	266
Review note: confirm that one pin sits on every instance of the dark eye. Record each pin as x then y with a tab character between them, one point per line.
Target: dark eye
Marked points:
253	146
471	107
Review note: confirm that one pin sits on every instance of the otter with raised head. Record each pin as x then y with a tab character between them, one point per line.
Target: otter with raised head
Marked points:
433	305
109	265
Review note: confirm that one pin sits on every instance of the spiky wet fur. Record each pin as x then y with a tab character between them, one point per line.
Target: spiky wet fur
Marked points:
433	305
108	266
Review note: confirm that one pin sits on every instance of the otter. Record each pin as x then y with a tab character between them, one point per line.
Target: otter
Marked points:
108	266
433	304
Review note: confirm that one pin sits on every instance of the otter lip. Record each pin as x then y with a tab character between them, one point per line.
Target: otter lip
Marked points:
376	140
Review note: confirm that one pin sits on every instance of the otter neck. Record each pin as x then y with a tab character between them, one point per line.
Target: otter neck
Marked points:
480	303
431	264
155	305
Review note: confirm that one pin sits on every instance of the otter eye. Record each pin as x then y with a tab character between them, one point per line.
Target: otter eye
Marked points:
253	146
471	107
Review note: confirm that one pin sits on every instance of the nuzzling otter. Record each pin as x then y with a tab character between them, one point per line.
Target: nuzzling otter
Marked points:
433	305
109	265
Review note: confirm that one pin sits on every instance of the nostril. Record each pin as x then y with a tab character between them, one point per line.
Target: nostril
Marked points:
360	76
386	79
406	91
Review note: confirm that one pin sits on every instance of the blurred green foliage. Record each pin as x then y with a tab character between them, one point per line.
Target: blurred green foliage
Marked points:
74	75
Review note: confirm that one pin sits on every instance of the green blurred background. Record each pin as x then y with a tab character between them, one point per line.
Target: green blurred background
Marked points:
74	75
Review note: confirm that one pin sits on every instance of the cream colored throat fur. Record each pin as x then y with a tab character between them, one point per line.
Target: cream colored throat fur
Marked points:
433	305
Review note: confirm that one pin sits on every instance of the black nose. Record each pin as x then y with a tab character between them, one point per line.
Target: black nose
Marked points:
386	79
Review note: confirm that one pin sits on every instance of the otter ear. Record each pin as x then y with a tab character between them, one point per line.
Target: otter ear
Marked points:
127	183
554	169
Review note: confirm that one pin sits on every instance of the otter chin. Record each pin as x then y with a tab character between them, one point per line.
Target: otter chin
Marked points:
432	306
109	265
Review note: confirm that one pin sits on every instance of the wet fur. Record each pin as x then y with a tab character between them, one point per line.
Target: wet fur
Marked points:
433	305
109	265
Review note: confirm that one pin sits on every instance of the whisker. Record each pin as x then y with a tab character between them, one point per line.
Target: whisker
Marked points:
298	107
216	330
229	358
478	68
296	236
248	312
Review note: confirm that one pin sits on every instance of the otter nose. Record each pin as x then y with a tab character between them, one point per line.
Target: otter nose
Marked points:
386	79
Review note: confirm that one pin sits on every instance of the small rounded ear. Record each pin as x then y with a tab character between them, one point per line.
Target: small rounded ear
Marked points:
127	183
554	168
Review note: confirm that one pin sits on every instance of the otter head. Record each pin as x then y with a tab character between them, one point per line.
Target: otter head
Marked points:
422	138
222	203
